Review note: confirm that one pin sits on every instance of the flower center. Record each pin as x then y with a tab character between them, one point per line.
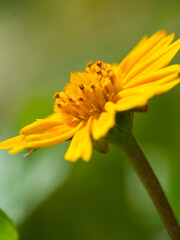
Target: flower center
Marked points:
88	92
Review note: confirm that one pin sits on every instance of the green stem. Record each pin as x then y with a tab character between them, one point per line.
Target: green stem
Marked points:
131	149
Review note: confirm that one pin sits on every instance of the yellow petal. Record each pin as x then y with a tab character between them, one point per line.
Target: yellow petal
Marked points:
15	150
142	48
138	96
131	102
42	133
159	60
147	58
152	76
41	125
104	123
81	145
51	139
162	44
166	87
148	87
9	143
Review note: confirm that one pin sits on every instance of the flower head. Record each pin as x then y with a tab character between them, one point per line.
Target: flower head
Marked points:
85	111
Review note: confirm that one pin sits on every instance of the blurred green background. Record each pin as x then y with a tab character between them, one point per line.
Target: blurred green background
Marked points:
41	42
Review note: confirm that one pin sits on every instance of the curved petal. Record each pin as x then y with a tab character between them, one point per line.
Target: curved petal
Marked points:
155	53
42	133
153	76
104	123
138	96
81	144
140	50
41	125
157	61
132	101
49	139
12	142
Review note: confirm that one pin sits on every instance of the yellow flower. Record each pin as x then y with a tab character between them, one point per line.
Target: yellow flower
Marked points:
85	110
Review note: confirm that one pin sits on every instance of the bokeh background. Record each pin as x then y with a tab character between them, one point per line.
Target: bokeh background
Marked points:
41	42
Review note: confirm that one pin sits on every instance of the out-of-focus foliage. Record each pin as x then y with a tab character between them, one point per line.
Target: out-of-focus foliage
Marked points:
41	42
7	228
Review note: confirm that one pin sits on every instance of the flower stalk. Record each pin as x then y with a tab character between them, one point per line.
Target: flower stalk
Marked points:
122	137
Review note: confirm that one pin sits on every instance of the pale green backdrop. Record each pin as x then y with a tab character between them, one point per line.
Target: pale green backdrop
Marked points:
41	43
